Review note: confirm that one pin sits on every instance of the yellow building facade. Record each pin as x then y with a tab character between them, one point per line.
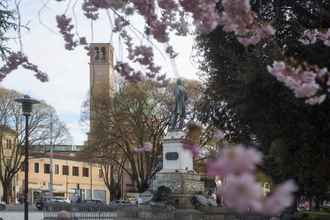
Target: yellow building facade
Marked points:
8	156
70	175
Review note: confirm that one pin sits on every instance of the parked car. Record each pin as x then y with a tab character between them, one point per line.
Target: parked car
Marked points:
144	198
94	202
120	202
2	206
89	206
53	200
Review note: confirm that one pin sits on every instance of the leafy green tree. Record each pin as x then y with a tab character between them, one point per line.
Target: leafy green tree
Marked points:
7	23
244	99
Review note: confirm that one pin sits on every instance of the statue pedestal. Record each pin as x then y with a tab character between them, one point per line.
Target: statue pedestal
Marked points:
177	173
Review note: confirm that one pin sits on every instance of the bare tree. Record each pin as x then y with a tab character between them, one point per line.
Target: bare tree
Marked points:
11	120
125	123
121	126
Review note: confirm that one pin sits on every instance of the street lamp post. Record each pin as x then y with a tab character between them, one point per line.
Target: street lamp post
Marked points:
27	103
51	156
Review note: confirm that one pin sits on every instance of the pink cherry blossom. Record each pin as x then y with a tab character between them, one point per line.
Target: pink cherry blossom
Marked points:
65	26
14	60
147	147
280	199
242	193
309	37
194	148
238	17
234	160
316	100
204	13
303	80
128	72
42	76
312	36
120	23
143	55
170	51
17	59
159	31
90	10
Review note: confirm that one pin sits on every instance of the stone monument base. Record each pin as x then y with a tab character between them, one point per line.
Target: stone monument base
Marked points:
183	185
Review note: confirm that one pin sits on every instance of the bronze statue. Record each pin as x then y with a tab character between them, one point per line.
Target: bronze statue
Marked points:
179	113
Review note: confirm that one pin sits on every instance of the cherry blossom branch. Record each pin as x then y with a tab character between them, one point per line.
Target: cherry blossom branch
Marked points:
306	81
238	17
312	36
15	60
65	27
237	165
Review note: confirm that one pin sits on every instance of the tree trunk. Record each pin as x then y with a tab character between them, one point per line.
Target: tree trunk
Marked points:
317	203
7	192
143	186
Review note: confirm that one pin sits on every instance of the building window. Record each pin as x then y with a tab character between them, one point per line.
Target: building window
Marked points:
8	143
85	172
103	52
46	168
100	173
65	170
36	167
97	53
75	171
57	169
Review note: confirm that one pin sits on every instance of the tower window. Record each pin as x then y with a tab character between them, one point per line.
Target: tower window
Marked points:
97	53
103	53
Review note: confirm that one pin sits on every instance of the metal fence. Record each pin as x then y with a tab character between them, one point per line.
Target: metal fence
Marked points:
234	216
77	212
80	212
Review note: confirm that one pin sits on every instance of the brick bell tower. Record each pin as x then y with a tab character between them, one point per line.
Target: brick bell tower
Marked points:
102	83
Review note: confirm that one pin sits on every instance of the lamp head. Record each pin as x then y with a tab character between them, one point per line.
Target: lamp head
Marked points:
27	103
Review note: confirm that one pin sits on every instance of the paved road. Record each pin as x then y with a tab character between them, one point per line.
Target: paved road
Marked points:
14	215
20	207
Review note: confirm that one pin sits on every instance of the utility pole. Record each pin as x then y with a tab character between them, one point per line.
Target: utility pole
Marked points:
51	156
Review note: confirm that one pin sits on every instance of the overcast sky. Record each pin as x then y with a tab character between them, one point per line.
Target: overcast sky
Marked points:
69	70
